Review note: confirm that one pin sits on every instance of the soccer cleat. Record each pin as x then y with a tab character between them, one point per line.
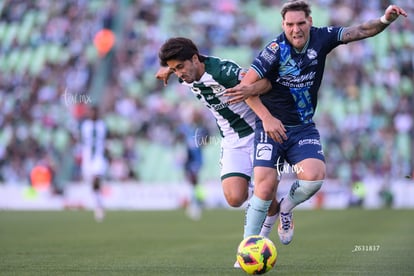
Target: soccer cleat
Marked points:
236	264
99	214
194	211
286	227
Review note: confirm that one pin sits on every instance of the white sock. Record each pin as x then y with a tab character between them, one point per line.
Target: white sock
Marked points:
268	225
300	191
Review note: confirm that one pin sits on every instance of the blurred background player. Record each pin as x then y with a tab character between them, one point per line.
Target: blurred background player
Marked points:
194	135
94	162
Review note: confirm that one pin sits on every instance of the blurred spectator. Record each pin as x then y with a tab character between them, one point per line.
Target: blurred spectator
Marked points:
49	69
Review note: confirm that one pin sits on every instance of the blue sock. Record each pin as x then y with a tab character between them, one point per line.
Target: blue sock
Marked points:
255	215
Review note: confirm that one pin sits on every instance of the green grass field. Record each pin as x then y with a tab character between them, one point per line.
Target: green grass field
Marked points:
167	243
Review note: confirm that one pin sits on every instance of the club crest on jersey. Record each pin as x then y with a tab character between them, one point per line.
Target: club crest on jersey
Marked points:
273	47
312	54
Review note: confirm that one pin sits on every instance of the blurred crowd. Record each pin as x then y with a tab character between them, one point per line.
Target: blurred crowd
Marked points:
51	75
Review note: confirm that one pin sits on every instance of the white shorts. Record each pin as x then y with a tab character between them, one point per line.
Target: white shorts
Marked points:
95	167
237	157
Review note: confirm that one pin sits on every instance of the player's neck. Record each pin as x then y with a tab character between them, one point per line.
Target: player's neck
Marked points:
201	70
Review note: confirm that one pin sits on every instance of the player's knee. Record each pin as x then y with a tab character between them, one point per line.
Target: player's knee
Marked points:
235	190
235	200
235	197
265	191
311	169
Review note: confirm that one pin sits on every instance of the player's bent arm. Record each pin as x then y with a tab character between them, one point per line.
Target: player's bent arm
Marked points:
254	101
241	91
372	27
250	85
271	125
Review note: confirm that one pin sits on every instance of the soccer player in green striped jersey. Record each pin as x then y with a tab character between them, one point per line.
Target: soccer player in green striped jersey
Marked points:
208	77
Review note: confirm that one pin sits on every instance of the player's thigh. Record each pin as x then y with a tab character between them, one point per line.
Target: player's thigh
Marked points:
236	171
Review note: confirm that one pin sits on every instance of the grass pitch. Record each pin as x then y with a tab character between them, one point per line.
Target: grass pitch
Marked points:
337	242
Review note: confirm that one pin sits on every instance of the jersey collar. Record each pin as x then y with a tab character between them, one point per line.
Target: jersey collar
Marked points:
304	48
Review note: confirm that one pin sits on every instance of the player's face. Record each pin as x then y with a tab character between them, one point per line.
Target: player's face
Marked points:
187	70
297	28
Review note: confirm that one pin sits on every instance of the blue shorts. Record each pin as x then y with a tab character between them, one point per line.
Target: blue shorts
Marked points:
303	142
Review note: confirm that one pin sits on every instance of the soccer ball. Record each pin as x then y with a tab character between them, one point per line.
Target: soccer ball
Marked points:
256	254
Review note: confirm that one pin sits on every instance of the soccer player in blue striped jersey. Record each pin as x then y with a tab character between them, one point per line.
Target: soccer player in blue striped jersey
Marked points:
208	77
294	63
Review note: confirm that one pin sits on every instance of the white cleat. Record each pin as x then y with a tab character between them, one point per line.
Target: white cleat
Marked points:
286	227
236	265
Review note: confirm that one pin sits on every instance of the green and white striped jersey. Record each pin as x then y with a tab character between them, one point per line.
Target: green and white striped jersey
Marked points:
234	120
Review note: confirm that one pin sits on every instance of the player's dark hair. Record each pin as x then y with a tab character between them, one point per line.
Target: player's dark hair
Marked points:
296	5
179	48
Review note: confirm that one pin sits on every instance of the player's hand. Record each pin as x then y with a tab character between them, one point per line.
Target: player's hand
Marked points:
164	74
239	93
274	129
393	11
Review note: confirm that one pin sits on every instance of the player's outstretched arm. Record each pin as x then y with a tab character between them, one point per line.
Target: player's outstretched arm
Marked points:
164	74
243	91
372	27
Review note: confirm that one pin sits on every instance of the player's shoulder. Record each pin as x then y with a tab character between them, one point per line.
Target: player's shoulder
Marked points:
219	63
217	66
326	30
328	34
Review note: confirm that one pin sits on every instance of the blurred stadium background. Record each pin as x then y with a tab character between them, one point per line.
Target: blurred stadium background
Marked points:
51	73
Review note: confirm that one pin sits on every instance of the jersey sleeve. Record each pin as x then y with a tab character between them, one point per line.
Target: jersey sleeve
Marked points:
230	74
332	37
266	59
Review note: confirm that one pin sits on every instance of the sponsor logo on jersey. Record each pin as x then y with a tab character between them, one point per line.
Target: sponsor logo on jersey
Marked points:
229	69
264	151
309	142
219	106
209	97
273	47
301	81
268	57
